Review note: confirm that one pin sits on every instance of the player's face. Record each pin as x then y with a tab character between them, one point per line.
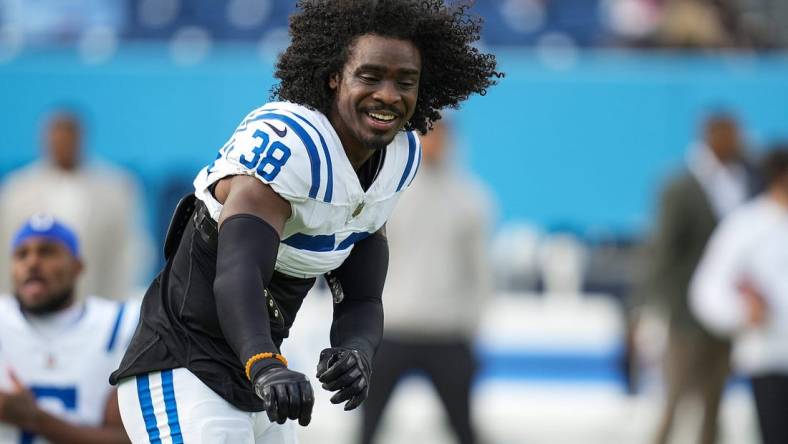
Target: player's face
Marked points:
44	275
64	144
723	138
376	92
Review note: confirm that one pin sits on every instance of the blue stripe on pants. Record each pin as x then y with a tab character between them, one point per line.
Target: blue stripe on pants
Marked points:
146	404
171	407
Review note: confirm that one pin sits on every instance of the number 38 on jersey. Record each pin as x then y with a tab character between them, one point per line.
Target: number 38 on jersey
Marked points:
273	155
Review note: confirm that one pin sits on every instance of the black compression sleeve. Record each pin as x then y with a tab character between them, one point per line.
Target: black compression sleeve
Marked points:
245	262
358	319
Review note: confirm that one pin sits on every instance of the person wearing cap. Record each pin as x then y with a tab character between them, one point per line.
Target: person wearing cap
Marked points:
56	350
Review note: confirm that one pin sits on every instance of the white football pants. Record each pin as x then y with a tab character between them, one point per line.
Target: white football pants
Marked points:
175	407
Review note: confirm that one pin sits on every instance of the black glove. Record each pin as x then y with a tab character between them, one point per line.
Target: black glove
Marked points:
346	370
285	394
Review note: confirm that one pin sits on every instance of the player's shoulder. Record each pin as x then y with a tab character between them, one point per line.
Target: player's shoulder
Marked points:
113	321
403	155
9	309
298	121
101	307
287	146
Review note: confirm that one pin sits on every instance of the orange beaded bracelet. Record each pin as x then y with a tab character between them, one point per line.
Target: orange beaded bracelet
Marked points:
260	356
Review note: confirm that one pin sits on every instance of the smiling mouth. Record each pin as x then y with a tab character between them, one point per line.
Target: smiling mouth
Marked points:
382	120
383	116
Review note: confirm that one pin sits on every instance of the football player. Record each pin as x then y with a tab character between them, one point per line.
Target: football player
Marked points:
301	189
56	351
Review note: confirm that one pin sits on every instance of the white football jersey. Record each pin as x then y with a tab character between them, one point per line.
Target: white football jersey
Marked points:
296	151
68	373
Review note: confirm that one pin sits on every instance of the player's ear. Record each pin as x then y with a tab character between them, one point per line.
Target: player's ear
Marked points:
333	81
78	267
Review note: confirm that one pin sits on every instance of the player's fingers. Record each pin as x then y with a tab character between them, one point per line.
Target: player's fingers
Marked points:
307	401
343	380
294	398
282	402
355	401
348	392
344	364
269	402
341	396
322	366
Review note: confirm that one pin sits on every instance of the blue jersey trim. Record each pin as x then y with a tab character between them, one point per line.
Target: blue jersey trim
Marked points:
118	320
171	407
320	242
146	405
329	167
411	156
352	239
418	163
311	149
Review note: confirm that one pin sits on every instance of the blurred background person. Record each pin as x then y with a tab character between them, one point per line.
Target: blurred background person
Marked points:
699	24
714	182
437	284
56	352
740	290
100	201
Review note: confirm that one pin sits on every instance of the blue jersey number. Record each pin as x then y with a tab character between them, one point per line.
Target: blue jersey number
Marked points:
258	150
66	395
273	157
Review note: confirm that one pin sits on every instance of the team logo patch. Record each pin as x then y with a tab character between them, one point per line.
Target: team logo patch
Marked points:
42	222
358	209
280	133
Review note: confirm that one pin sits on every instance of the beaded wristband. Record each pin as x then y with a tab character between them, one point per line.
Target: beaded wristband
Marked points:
259	357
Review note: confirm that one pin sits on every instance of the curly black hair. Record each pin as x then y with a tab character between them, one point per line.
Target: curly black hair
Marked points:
324	31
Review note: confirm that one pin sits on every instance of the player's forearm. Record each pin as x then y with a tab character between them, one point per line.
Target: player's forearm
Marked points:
59	431
358	319
245	262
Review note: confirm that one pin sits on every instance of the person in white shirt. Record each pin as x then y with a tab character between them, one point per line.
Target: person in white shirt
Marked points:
713	183
56	352
740	290
99	201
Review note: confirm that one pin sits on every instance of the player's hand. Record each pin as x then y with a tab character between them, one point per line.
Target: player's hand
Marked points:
755	303
347	371
17	407
285	394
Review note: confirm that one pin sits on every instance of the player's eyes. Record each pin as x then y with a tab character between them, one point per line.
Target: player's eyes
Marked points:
368	78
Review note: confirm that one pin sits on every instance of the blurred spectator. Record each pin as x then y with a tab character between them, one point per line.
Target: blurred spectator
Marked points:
740	290
714	183
768	19
693	24
437	283
61	21
56	352
99	201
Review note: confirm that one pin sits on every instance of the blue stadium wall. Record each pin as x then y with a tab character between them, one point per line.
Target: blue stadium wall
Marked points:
577	140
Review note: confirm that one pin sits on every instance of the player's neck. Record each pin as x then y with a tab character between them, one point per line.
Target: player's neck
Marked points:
358	157
355	151
50	324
